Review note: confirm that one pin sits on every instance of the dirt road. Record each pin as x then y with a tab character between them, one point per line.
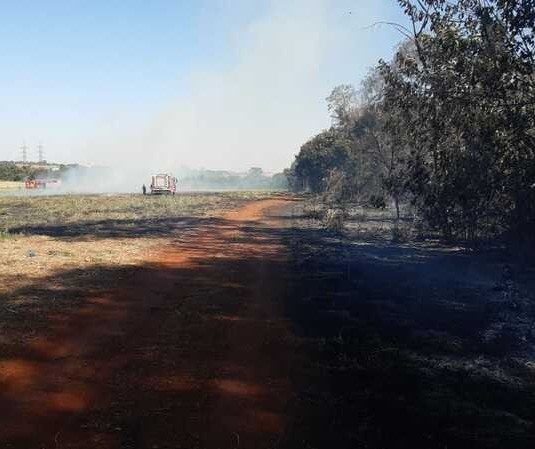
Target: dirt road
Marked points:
192	351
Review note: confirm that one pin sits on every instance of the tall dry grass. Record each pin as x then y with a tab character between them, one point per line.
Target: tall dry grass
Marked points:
27	258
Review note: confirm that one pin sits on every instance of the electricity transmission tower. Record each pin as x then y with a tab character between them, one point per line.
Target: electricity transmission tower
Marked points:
41	153
24	149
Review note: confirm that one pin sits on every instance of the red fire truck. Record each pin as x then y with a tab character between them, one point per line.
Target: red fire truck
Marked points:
32	184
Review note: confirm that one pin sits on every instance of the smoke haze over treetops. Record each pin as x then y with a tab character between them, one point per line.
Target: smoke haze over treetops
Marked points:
251	99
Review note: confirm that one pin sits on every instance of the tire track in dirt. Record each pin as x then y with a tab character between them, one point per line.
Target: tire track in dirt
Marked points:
194	352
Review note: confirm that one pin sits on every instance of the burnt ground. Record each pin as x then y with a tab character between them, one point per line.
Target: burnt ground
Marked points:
397	337
261	330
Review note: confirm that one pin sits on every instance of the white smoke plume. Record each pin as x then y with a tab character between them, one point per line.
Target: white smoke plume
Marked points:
258	106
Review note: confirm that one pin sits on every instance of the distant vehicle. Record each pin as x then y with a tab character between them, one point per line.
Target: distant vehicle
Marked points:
163	184
32	184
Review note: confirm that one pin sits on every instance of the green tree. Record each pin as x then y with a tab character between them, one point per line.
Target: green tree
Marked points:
318	157
342	104
466	98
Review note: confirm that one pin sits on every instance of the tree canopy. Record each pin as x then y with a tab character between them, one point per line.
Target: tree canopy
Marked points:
447	125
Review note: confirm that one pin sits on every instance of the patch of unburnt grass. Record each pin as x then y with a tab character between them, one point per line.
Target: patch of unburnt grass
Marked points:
44	236
31	211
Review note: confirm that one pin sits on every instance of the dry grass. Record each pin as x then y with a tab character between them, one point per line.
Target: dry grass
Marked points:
23	211
31	254
26	260
10	186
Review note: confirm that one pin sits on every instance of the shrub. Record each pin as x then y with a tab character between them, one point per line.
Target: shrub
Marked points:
334	220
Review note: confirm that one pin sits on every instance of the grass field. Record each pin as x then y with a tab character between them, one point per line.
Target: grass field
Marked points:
43	235
20	212
10	186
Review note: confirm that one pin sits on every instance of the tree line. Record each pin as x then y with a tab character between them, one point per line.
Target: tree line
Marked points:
446	126
11	171
254	179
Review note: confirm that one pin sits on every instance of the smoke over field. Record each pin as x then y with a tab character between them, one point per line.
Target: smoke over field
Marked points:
50	179
254	111
249	98
108	180
246	93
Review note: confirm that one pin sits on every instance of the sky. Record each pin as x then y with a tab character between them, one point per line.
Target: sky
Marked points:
219	84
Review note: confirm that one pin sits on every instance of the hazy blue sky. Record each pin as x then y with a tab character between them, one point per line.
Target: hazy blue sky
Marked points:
219	84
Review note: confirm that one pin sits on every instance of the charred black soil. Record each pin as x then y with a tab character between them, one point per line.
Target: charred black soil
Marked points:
398	347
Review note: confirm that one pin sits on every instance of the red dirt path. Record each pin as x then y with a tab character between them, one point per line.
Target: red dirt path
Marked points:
193	352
